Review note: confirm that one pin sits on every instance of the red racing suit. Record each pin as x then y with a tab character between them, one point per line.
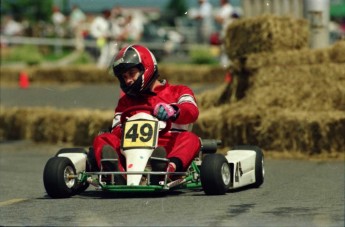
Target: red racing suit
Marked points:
178	142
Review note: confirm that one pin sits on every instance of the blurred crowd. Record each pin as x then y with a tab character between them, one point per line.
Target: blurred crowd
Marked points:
117	26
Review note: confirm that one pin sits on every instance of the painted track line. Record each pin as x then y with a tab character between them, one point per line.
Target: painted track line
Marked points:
12	201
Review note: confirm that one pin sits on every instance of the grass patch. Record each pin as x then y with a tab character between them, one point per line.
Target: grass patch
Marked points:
202	55
27	53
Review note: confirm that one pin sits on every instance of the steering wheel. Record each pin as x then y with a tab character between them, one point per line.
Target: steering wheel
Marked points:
128	112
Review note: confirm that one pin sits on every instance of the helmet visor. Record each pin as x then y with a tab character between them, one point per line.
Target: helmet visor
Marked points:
127	61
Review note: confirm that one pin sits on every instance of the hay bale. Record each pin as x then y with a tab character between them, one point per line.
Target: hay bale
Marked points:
74	74
12	122
305	131
267	33
309	88
337	52
276	129
51	125
290	58
312	71
185	74
282	101
214	97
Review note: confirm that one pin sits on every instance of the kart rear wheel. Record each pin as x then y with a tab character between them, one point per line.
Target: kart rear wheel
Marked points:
56	178
259	163
82	186
215	174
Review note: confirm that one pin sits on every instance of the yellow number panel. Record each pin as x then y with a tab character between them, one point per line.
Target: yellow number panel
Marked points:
139	134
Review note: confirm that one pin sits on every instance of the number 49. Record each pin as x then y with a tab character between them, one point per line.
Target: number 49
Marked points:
144	133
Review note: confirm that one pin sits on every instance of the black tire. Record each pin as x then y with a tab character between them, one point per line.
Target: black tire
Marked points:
215	174
83	185
259	163
54	178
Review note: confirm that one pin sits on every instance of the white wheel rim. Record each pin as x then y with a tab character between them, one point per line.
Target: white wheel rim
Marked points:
69	181
225	173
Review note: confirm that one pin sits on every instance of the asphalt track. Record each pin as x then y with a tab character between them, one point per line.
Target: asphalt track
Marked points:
295	193
100	96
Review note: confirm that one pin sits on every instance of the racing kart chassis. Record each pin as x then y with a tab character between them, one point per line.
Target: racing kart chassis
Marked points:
68	173
72	170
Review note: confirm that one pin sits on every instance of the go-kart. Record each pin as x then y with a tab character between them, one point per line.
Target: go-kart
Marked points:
72	170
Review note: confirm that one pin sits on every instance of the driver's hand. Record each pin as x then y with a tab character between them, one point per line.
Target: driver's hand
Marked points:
165	112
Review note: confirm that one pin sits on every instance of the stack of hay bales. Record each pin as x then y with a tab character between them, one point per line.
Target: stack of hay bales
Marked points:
78	126
284	96
186	74
265	34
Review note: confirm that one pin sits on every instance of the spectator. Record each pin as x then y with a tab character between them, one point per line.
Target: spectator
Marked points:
204	20
132	29
224	16
100	30
11	27
117	20
76	21
58	20
76	18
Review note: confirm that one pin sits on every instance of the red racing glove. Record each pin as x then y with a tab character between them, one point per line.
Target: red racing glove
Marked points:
165	111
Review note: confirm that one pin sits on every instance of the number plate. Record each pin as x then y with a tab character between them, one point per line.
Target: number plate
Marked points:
140	134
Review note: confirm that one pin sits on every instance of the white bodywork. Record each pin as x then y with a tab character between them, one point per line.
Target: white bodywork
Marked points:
78	159
136	162
243	171
136	159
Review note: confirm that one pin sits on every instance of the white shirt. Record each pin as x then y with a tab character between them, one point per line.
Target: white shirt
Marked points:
58	18
77	16
205	11
225	13
100	27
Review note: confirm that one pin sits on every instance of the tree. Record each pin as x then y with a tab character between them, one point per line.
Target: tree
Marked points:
34	11
175	8
179	7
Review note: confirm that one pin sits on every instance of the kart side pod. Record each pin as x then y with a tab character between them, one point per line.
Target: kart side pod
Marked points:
78	157
246	166
78	160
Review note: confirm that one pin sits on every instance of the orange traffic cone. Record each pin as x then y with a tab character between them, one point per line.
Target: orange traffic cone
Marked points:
228	78
24	80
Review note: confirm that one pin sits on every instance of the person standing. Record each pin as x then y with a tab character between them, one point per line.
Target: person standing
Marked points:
58	20
204	20
76	23
224	16
100	30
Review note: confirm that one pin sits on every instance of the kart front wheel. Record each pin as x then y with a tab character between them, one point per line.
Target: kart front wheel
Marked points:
215	174
58	178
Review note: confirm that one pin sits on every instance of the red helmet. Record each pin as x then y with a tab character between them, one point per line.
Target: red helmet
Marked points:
136	56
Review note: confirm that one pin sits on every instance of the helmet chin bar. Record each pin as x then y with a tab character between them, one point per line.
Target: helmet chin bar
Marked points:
135	89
